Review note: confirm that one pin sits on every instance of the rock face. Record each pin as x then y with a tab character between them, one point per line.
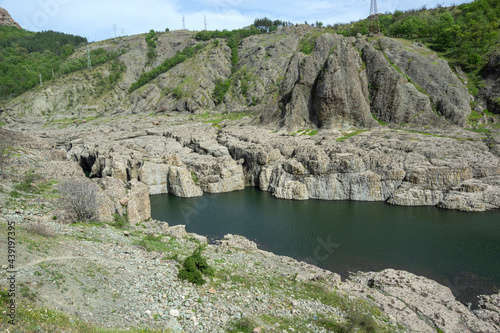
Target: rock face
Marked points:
343	83
453	170
422	305
138	207
6	19
432	74
490	93
399	167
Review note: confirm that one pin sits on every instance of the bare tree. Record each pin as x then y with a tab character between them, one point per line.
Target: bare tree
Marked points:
80	198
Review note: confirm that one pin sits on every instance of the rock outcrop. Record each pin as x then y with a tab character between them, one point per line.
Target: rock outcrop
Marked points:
453	170
433	75
422	305
343	83
6	19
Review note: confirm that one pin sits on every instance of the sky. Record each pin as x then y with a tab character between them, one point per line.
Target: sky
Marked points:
102	19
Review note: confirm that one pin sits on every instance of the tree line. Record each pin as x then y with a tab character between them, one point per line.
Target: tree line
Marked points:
464	33
24	55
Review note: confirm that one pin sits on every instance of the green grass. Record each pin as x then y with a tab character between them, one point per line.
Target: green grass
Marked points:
350	135
216	118
243	325
2	124
194	177
309	132
63	123
480	130
36	319
312	132
360	315
121	221
474	116
379	121
152	243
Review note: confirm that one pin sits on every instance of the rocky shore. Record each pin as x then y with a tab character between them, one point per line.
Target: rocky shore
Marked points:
112	277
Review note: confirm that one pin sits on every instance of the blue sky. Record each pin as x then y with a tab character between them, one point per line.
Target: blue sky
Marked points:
96	19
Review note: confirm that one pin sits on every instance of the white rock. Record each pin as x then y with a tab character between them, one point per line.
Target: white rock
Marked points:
174	313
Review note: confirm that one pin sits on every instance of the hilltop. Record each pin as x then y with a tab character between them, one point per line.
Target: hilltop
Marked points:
7	20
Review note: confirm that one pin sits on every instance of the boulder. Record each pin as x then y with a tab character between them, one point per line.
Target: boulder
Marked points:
139	206
181	183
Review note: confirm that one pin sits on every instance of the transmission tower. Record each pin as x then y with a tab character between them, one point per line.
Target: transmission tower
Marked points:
374	22
205	22
114	27
183	23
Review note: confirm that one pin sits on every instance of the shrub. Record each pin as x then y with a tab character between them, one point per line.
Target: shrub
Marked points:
80	198
220	90
26	184
121	221
40	229
194	266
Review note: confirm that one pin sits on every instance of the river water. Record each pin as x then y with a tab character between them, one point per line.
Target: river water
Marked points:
457	249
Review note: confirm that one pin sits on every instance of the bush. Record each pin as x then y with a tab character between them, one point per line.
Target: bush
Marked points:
220	90
80	198
40	229
194	266
26	184
121	221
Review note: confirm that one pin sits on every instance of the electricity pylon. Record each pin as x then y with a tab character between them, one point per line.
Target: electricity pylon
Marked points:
374	22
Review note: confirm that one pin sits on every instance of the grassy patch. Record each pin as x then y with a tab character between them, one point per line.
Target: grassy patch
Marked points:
121	221
480	130
243	325
152	243
309	132
33	319
361	316
63	123
350	135
216	118
194	177
379	121
220	90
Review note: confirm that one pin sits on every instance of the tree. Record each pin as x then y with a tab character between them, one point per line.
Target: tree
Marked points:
81	199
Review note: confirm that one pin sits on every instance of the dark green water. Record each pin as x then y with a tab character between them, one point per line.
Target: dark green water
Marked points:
457	249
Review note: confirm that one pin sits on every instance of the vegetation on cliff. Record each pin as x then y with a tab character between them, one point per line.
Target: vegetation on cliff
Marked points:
25	55
465	35
168	64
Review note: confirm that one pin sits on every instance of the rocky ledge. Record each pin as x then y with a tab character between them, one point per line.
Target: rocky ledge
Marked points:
188	156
